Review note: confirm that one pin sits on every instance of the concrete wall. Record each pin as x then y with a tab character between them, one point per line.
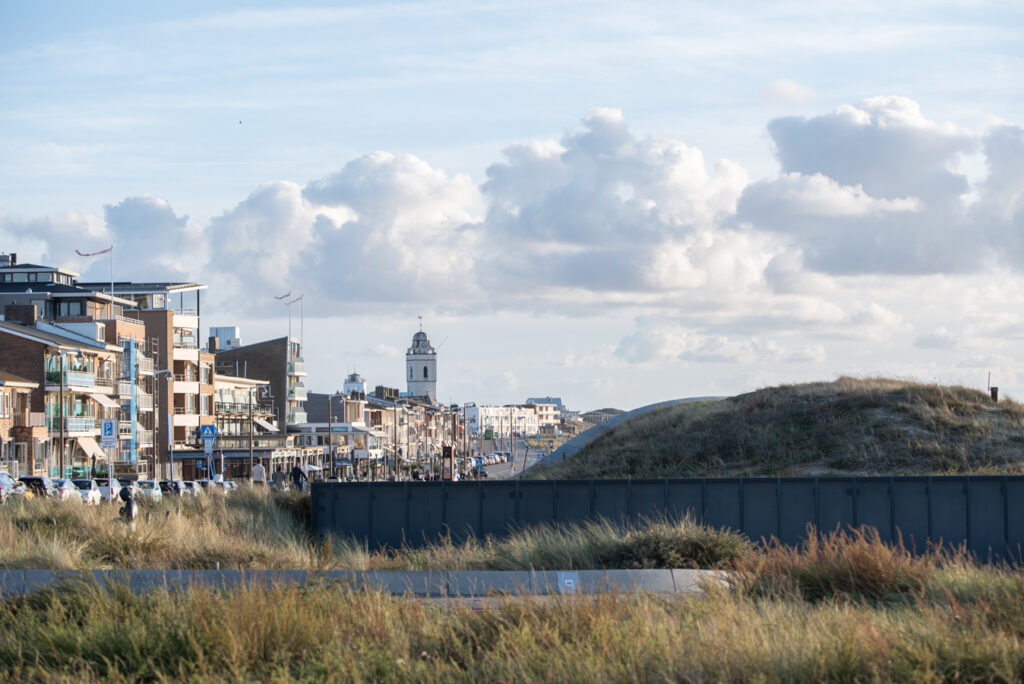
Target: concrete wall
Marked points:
984	512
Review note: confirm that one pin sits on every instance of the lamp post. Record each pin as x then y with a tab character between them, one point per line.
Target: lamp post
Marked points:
330	434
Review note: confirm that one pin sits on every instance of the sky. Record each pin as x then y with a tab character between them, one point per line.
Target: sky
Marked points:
615	203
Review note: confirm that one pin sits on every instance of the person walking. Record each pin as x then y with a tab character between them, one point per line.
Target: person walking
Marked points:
278	482
298	475
259	474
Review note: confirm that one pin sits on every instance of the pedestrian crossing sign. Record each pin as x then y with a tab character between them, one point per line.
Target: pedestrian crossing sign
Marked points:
208	431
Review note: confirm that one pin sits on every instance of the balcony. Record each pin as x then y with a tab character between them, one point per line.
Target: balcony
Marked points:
78	379
124	388
73	424
143	402
297	367
297	417
297	393
262	409
29	419
146	366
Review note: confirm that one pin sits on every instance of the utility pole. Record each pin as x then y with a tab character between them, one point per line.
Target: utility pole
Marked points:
330	433
251	436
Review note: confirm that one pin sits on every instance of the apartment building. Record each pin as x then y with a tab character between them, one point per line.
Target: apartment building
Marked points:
51	299
502	421
75	387
182	384
280	362
245	416
20	428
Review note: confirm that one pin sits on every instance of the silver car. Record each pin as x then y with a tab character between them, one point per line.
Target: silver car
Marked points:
149	490
89	491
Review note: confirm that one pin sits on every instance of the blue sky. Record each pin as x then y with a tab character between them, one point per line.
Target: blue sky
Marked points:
619	203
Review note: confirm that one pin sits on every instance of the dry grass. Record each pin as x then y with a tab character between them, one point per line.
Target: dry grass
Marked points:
844	607
331	634
849	426
252	529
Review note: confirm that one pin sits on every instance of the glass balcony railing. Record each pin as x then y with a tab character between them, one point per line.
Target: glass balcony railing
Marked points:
78	379
297	394
297	367
297	417
73	424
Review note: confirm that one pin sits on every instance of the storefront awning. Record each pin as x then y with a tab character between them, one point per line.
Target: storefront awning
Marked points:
104	400
91	448
264	424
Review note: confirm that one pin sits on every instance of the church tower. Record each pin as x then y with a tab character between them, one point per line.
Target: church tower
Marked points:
421	367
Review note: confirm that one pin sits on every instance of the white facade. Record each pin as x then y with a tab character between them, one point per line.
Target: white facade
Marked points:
421	368
547	414
502	420
354	383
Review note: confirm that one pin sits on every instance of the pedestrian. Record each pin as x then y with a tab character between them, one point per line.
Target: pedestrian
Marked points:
259	474
278	481
298	476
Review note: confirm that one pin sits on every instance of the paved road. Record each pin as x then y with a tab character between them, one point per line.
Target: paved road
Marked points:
502	471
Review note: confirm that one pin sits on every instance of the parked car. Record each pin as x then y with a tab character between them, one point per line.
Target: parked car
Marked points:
10	487
149	490
479	473
106	485
67	491
89	491
192	487
230	485
40	485
172	487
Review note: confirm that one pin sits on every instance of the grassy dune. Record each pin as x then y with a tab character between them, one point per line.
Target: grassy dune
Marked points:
844	608
849	426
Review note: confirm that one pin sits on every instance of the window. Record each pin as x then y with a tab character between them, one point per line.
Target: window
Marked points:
207	404
410	372
69	309
425	376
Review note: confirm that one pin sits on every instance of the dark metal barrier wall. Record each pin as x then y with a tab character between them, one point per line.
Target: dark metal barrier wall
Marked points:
985	512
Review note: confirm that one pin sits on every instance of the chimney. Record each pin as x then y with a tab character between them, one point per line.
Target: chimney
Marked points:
24	314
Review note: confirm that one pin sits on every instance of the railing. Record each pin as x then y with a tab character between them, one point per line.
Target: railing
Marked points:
124	387
185	312
297	367
30	419
146	366
297	393
124	427
297	417
185	411
179	377
263	409
144	438
73	424
143	401
77	378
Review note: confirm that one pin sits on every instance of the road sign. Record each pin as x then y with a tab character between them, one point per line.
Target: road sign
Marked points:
208	447
207	431
108	433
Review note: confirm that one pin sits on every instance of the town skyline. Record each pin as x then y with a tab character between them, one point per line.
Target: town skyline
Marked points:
616	207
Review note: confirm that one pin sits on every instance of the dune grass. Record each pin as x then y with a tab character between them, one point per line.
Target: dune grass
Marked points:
939	618
252	529
843	607
849	426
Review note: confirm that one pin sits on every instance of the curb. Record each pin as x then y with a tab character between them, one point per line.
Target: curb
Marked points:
418	583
